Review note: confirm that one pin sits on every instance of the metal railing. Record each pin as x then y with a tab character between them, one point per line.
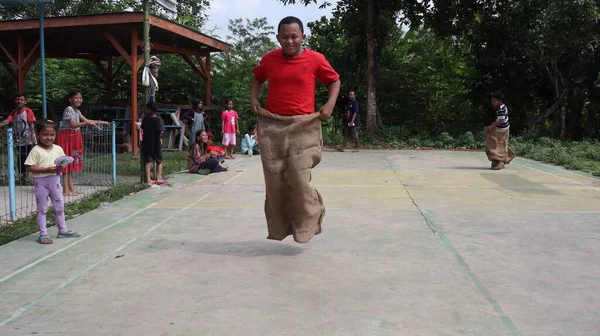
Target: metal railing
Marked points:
99	171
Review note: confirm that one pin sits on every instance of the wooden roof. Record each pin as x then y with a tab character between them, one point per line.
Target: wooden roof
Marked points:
86	36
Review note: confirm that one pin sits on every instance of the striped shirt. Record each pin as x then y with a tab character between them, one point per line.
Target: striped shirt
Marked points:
502	116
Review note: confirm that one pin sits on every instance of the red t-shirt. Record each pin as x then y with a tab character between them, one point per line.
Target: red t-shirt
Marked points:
293	81
230	119
29	115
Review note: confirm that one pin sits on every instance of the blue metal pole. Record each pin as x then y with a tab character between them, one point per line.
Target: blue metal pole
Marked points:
113	131
12	195
43	60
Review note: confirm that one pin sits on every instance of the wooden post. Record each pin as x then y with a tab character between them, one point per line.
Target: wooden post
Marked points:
109	80
20	62
208	81
134	89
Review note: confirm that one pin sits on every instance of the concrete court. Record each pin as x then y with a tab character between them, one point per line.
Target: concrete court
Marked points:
414	243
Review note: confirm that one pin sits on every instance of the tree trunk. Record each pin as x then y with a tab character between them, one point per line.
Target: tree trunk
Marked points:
379	119
563	129
371	93
576	102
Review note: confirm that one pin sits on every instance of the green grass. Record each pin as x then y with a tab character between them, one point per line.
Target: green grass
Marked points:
173	161
574	155
26	226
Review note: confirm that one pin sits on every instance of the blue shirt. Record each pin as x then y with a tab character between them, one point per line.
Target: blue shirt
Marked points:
248	143
351	108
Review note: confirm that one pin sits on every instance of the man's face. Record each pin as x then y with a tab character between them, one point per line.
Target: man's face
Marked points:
351	96
20	102
496	102
290	39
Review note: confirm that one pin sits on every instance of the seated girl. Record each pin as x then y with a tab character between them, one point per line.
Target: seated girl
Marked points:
211	147
249	142
201	160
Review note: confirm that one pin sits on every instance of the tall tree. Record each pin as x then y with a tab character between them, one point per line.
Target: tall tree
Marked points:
375	20
232	76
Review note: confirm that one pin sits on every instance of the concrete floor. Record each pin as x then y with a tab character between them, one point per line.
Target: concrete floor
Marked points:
414	243
25	200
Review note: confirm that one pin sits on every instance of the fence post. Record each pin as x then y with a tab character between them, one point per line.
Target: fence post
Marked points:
11	175
113	135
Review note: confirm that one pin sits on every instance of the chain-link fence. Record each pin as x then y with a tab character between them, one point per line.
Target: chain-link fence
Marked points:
94	170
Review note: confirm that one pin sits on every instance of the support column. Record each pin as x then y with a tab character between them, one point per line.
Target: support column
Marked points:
20	61
109	79
208	82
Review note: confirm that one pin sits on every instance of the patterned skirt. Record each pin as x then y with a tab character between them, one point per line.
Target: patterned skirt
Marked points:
71	142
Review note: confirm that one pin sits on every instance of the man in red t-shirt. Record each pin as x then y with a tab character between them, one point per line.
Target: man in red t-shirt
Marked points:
292	72
291	137
22	118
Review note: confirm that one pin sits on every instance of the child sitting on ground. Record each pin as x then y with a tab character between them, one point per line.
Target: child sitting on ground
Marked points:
201	160
211	147
249	143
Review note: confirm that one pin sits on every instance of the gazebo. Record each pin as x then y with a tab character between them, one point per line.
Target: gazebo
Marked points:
99	38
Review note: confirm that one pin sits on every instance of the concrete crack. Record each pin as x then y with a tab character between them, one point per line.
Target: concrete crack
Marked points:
412	199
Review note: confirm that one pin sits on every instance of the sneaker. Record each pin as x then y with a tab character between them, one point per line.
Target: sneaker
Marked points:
203	171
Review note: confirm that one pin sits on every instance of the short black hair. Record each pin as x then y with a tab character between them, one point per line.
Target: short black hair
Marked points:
43	123
74	92
290	20
19	94
252	127
152	106
498	95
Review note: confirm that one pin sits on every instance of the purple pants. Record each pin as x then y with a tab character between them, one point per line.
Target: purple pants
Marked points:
45	187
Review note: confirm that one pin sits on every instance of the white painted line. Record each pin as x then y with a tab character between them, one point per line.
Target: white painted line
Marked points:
92	266
81	239
236	176
76	241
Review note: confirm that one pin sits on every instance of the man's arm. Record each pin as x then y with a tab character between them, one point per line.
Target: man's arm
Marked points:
32	132
354	113
333	92
256	89
8	120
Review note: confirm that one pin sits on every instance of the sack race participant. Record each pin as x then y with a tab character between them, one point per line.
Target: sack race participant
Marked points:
290	132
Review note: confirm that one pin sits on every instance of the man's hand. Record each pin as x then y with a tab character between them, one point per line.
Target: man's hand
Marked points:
254	106
52	169
326	111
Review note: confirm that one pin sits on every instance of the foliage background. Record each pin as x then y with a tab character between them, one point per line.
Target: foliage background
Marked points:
436	63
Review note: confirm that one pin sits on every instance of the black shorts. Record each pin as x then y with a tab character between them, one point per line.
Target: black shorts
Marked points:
350	132
153	157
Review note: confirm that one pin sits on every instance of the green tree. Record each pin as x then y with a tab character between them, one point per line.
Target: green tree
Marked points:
544	54
232	71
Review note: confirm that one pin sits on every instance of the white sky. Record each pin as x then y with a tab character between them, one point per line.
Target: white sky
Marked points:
222	10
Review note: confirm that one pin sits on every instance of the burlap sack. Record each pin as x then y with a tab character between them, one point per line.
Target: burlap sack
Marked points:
290	146
496	145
